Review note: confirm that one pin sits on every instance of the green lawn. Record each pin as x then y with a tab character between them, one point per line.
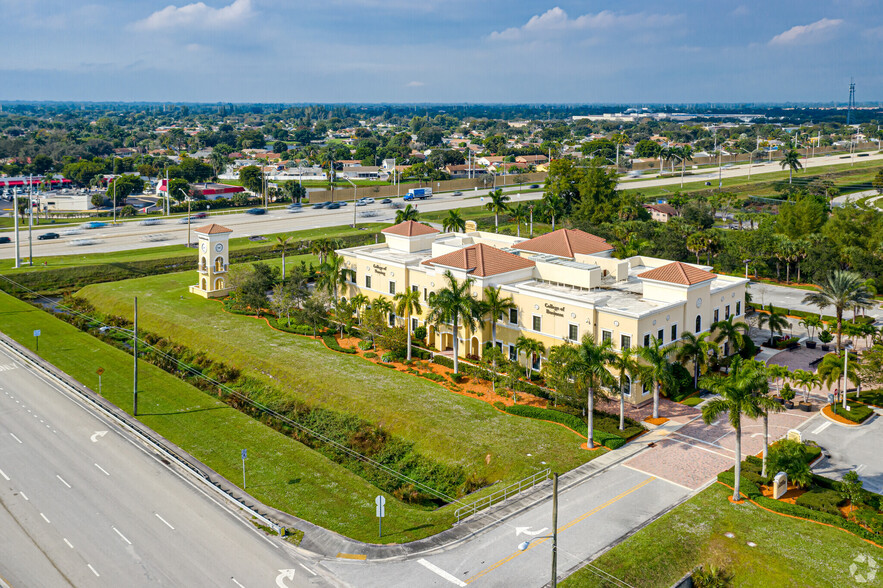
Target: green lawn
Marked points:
281	472
873	397
444	426
788	552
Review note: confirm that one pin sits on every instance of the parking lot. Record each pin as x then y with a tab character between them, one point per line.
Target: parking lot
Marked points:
849	448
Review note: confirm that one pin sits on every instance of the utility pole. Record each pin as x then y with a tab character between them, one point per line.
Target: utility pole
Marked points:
16	213
554	530
30	223
135	356
188	221
114	201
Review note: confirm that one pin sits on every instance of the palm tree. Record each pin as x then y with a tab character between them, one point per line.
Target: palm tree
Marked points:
531	348
590	369
358	302
323	247
627	365
520	215
452	304
778	372
685	154
495	305
408	303
497	205
282	242
737	398
791	160
332	274
736	332
454	222
840	289
218	162
766	404
775	320
554	206
805	380
831	370
657	368
695	348
811	323
408	213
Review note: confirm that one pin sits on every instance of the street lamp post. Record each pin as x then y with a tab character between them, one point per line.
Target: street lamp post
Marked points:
553	536
16	213
746	262
30	224
187	198
355	190
530	207
135	356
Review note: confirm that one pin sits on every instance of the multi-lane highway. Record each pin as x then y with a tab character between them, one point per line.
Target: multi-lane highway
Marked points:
133	235
83	505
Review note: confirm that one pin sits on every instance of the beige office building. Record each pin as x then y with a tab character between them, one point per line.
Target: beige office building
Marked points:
565	284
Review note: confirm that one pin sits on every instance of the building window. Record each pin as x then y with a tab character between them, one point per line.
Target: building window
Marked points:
647	340
738	308
392	319
698	324
413	324
573	332
500	346
513	316
392	287
626	388
425	295
606	336
660	334
535	364
727	312
415	288
513	353
625	341
645	388
537	323
674	332
717	315
367	281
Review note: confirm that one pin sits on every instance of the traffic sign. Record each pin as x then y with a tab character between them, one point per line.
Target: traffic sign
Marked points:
380	511
99	371
36	332
244	453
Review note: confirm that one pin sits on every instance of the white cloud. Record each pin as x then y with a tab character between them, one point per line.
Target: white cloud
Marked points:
556	21
197	15
874	34
817	31
414	84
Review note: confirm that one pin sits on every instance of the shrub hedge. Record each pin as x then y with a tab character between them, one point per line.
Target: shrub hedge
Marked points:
609	440
857	413
821	499
332	343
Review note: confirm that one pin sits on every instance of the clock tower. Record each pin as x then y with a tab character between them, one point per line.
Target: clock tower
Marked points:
214	255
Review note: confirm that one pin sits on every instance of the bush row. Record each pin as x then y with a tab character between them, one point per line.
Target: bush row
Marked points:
332	344
609	440
857	413
479	372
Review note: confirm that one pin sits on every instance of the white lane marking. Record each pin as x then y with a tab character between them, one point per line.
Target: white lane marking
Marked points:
5	477
68	542
307	569
437	570
24	496
62	480
121	535
102	469
97	575
821	428
165	521
237	583
44	518
14	437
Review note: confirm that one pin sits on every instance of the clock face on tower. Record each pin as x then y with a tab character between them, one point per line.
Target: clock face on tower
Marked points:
698	302
219	247
204	247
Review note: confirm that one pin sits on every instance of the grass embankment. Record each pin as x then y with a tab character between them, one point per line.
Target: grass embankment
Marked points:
281	471
787	551
444	426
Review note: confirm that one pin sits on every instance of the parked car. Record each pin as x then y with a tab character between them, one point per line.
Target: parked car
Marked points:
386	201
46	236
5	240
256	211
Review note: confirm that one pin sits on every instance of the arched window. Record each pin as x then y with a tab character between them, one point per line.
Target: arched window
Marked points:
204	264
698	323
204	284
219	283
219	264
627	386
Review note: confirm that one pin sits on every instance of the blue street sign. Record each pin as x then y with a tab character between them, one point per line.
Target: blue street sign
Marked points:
244	453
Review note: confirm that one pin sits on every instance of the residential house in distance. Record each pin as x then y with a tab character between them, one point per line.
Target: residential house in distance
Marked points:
565	285
661	212
531	159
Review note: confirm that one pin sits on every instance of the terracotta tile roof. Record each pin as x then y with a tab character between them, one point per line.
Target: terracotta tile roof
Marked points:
663	208
566	243
481	260
409	229
678	273
213	229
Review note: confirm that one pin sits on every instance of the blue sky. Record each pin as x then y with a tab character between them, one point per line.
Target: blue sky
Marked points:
441	50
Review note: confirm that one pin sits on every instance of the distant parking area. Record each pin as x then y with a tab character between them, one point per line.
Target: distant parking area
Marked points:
849	448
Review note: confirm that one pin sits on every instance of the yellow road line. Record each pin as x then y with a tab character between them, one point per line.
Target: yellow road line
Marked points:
352	556
560	529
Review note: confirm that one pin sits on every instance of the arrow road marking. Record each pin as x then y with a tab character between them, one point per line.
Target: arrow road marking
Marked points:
437	570
527	531
283	575
97	435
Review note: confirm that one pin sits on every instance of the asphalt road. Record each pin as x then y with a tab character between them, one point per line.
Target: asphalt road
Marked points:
132	235
591	515
84	509
792	298
849	448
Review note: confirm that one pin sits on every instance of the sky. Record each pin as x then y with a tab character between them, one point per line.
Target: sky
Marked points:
442	51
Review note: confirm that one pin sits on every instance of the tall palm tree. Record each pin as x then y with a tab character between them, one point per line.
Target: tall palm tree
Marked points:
495	305
657	368
531	348
791	160
738	397
778	372
811	323
590	369
775	320
497	205
685	154
282	242
554	206
359	301
840	289
625	362
761	389
454	304
805	380
406	304
831	370
520	214
332	274
736	332
695	348
408	213
454	222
